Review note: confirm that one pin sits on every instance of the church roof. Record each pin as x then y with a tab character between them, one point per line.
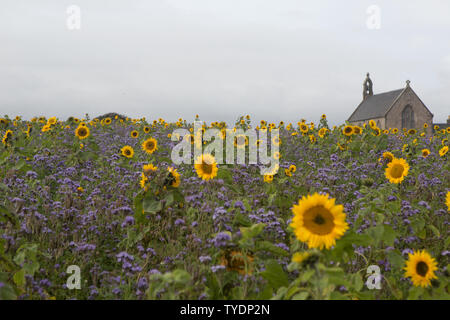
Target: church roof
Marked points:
375	106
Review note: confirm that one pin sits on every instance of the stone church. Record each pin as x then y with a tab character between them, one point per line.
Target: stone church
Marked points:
400	108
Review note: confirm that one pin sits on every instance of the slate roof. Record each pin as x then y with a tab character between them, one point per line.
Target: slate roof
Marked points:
375	106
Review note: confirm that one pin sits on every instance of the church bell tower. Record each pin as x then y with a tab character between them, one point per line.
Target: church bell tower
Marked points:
367	87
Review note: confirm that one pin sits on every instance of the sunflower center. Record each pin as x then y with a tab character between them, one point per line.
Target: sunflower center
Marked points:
127	152
319	220
82	132
150	145
422	269
207	168
397	171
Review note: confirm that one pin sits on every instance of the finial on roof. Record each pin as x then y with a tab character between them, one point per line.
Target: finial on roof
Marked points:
407	83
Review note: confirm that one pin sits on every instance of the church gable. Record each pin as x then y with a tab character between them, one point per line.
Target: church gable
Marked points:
408	112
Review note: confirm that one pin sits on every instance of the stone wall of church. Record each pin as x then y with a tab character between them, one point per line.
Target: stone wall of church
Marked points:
421	113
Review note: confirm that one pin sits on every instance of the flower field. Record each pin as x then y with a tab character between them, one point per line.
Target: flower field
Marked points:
351	213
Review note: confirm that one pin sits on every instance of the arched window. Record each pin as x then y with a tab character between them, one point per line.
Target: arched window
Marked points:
408	117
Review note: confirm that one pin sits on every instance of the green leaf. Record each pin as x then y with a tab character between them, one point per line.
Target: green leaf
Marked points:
19	278
301	296
151	206
275	275
395	259
242	220
252	232
269	246
434	230
389	235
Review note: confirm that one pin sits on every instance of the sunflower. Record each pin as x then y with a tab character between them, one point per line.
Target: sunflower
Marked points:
240	141
206	166
108	121
304	128
292	168
299	257
146	129
395	131
51	121
174	177
322	132
237	261
397	170
148	168
425	153
318	221
447	200
268	178
276	155
412	131
150	145
443	151
127	151
134	134
312	138
276	140
357	130
348	131
82	132
8	134
372	124
388	155
288	173
420	268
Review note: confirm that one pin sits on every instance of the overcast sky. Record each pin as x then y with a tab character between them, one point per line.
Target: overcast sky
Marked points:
275	60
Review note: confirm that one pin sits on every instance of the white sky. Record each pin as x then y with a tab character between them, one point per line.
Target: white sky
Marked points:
275	60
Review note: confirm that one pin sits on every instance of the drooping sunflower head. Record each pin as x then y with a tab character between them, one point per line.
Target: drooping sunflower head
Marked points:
397	170
388	155
348	130
82	132
206	166
46	128
7	136
420	268
318	221
173	178
149	168
127	151
150	145
134	134
237	261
